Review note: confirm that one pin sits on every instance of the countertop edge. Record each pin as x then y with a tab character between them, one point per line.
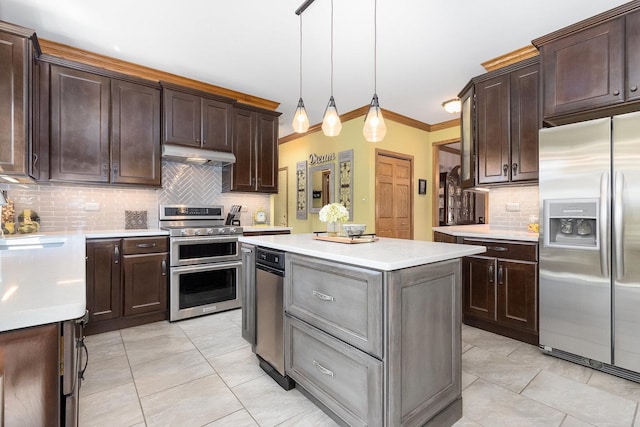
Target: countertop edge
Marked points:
485	232
323	250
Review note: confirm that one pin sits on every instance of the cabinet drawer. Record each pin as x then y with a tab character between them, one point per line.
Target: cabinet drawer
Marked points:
144	245
341	300
506	249
346	380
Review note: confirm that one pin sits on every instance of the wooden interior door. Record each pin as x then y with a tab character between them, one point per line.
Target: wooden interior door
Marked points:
394	198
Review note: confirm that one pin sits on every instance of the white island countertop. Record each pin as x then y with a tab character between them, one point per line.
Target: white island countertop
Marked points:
385	254
42	280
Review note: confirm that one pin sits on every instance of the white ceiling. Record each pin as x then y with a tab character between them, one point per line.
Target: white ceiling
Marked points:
427	49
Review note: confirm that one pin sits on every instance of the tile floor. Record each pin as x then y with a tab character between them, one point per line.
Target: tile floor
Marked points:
200	372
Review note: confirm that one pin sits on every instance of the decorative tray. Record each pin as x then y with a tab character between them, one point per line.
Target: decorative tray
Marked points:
363	238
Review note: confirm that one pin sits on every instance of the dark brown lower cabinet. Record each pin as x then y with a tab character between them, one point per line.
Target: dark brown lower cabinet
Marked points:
126	282
500	289
444	237
30	376
103	280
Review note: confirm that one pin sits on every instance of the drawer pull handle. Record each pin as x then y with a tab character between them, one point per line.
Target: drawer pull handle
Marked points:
323	297
146	245
497	248
322	369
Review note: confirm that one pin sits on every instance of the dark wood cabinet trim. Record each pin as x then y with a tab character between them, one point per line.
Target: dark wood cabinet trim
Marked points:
586	23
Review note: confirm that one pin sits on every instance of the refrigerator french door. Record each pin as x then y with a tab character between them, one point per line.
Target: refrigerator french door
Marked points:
589	297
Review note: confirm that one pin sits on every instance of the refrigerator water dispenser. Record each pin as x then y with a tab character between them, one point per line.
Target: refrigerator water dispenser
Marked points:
571	223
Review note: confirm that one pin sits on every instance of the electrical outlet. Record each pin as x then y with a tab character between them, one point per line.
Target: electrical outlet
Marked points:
244	209
513	207
92	206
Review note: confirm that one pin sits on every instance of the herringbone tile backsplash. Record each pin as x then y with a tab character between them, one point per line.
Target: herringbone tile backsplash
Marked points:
67	207
190	184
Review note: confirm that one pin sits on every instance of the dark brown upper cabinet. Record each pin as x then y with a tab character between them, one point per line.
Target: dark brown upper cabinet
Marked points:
17	47
504	118
592	68
135	134
102	129
79	149
468	136
255	145
196	119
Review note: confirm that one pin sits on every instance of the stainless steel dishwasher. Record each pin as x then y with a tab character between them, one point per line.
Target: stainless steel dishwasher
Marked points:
270	314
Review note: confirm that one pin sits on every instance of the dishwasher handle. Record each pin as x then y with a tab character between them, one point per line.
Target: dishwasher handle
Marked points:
269	269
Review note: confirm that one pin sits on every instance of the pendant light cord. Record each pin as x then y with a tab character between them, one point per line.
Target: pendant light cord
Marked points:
375	46
331	47
301	56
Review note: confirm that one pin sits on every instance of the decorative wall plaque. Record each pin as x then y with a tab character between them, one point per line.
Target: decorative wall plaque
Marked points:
345	171
301	190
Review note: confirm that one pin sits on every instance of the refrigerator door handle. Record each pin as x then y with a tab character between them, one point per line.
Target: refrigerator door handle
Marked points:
618	224
604	201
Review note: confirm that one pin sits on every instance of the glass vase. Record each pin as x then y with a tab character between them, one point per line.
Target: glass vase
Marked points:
332	228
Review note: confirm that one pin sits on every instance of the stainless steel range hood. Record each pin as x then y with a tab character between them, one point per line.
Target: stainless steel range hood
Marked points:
177	153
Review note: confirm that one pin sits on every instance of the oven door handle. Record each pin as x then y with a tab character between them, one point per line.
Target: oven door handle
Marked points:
205	267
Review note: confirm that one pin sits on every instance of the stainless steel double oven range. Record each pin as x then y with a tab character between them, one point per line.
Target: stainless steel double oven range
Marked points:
205	260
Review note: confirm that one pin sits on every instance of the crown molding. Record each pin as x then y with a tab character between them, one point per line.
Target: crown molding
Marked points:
90	58
511	58
388	115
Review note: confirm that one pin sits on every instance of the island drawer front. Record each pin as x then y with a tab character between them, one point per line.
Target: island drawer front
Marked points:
342	300
346	380
524	251
144	245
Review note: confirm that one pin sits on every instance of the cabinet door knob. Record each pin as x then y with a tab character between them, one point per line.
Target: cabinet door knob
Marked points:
116	254
633	88
164	267
514	168
491	274
505	169
616	92
105	169
500	274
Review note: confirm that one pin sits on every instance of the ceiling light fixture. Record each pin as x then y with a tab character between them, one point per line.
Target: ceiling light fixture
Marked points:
331	125
300	119
452	106
374	128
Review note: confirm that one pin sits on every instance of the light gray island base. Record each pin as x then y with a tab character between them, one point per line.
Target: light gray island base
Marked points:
376	348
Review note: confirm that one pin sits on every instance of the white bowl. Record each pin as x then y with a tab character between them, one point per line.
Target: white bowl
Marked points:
353	229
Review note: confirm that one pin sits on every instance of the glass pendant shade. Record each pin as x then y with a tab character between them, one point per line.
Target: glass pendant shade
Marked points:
331	125
374	127
300	119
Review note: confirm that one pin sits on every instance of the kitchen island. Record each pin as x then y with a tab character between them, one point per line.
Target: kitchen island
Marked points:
42	293
372	330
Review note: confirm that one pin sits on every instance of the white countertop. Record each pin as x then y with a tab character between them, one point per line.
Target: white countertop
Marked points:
385	254
264	228
42	279
105	234
487	232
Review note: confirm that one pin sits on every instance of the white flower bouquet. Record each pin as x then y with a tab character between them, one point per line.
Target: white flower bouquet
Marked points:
333	212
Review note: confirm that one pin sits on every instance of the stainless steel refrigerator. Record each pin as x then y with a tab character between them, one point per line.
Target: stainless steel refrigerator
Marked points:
589	301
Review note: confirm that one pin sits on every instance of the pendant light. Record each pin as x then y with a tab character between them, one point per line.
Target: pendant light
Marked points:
331	125
300	119
374	128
